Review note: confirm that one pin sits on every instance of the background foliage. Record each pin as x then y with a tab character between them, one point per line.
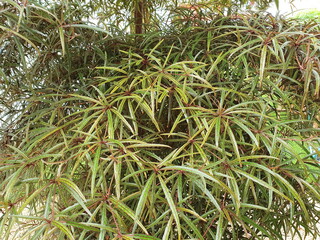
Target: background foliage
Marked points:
199	129
311	15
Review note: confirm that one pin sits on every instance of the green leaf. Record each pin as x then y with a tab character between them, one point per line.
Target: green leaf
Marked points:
261	182
63	46
75	192
199	173
95	168
171	205
82	226
125	209
21	36
142	200
30	198
63	228
290	188
263	63
140	236
193	227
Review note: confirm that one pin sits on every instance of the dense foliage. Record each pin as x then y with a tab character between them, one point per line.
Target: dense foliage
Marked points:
199	130
309	15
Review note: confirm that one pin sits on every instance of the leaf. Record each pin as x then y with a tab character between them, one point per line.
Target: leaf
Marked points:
262	63
261	182
191	212
234	143
117	167
31	197
125	209
9	188
140	237
193	227
63	228
212	199
82	226
142	200
199	173
75	192
171	205
113	69
63	46
94	226
219	233
168	228
21	36
147	145
123	120
94	169
87	99
290	188
247	130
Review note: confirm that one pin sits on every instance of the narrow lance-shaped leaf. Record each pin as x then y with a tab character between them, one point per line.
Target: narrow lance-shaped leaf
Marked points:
171	204
95	169
142	200
63	228
75	192
125	209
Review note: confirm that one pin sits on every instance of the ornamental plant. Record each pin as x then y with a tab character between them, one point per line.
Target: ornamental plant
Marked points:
201	130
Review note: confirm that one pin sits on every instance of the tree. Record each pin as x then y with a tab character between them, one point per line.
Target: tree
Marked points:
198	129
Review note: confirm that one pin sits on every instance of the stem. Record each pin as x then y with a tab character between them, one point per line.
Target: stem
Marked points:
138	17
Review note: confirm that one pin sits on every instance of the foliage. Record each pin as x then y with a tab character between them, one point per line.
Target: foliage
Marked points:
199	131
309	15
147	15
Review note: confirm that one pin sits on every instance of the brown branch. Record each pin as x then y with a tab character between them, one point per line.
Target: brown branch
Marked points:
138	17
